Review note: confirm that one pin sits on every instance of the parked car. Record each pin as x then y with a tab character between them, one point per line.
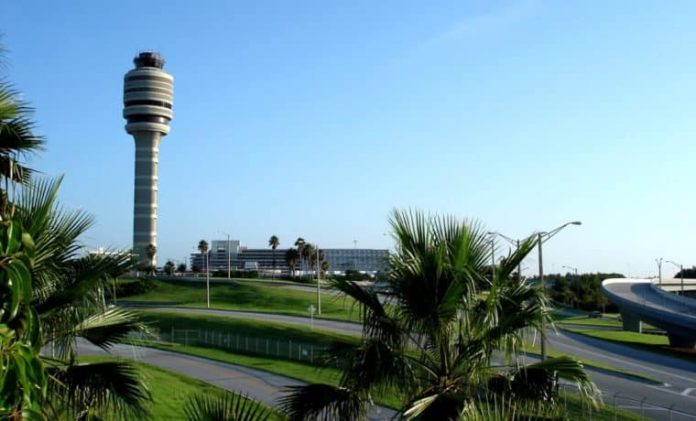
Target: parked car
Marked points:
595	314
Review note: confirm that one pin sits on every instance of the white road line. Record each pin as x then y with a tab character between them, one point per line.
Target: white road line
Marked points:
687	391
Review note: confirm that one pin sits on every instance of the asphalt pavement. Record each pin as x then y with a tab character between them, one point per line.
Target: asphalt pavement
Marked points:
678	376
260	385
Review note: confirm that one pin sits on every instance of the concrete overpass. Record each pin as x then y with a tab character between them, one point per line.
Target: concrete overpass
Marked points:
675	284
640	300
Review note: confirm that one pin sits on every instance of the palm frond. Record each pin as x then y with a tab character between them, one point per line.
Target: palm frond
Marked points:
225	407
439	405
323	402
113	387
541	377
376	321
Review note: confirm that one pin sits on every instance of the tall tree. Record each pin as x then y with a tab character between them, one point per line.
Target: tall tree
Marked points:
203	249
300	243
273	242
434	337
292	256
307	254
151	252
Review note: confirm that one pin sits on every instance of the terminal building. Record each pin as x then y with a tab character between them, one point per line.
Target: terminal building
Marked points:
223	254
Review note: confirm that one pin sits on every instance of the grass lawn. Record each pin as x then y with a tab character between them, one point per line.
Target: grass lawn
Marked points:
298	334
171	390
164	321
649	342
536	351
246	296
311	374
587	321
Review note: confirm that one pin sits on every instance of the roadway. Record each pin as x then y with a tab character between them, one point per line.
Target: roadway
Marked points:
678	376
640	300
260	385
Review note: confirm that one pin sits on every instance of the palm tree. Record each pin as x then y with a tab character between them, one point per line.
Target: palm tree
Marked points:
436	335
307	254
151	252
68	299
273	242
203	249
24	379
229	406
292	256
17	140
300	243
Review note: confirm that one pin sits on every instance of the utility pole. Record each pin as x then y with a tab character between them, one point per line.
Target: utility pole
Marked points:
318	284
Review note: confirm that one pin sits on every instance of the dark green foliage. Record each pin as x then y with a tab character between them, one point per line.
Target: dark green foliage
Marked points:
69	299
228	407
323	402
689	273
169	268
253	274
434	337
111	384
127	289
23	380
582	291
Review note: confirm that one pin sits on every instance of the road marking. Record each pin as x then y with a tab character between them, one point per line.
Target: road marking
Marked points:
687	391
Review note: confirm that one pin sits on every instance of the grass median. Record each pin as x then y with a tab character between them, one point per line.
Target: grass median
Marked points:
643	341
246	296
170	390
204	328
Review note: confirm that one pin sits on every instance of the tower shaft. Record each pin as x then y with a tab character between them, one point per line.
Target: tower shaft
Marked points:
145	193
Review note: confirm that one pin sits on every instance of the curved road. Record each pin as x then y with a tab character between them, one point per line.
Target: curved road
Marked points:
640	299
678	376
260	385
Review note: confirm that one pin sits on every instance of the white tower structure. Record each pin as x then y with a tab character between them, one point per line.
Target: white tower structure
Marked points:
148	92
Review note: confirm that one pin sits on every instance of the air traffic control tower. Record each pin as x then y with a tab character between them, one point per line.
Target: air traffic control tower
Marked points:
147	106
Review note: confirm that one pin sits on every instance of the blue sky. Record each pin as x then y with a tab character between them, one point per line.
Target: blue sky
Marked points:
315	119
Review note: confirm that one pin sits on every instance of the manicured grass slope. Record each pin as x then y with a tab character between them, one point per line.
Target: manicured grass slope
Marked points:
645	341
255	328
246	296
311	374
171	390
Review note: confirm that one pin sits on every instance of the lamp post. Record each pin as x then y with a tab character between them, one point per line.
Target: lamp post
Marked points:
318	284
659	270
515	243
541	238
681	272
491	234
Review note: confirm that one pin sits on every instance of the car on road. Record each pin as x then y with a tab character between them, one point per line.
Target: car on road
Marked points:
595	314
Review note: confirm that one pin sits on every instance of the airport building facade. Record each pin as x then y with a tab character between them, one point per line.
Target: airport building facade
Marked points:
242	258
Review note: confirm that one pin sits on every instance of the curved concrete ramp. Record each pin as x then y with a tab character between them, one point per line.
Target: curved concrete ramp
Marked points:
641	301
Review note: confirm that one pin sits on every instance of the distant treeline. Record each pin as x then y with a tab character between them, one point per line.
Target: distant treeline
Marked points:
583	291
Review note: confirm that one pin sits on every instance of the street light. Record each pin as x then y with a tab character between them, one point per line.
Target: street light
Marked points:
515	243
681	272
318	284
659	269
491	234
544	236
